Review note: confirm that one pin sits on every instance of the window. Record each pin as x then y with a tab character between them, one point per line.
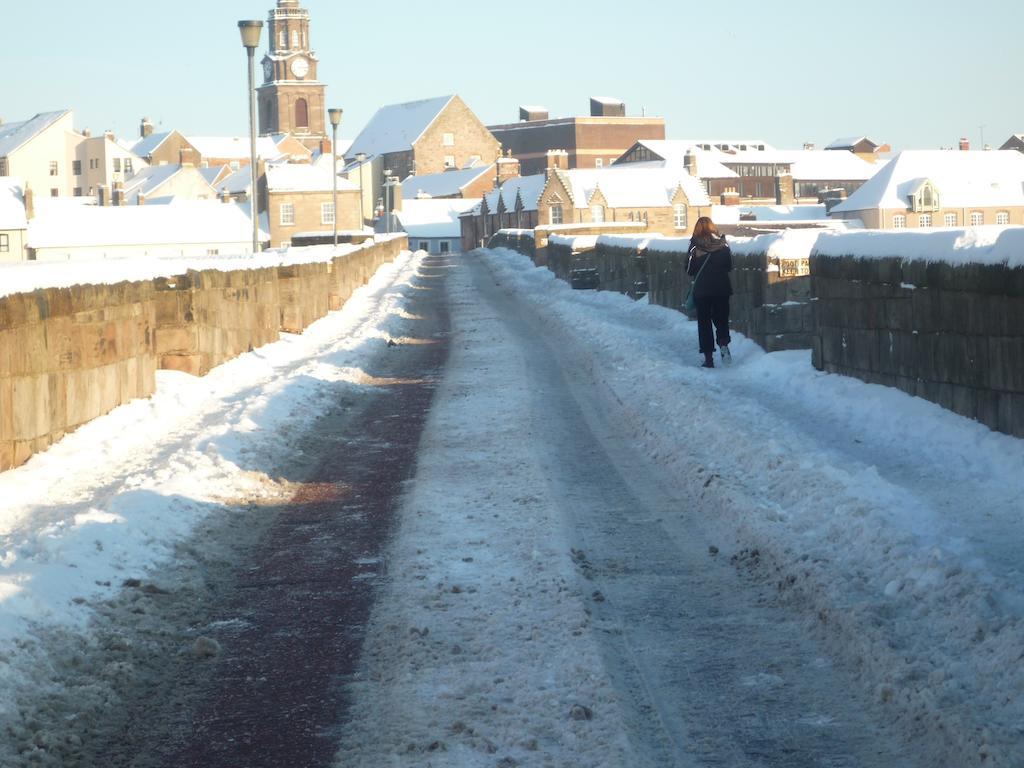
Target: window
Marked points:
117	165
924	220
295	38
449	161
326	213
597	214
5	243
599	163
54	168
234	165
287	214
925	198
679	216
93	163
424	245
284	40
3	166
1003	217
556	214
76	167
301	113
977	218
449	140
78	192
445	246
129	169
949	220
899	221
54	192
212	251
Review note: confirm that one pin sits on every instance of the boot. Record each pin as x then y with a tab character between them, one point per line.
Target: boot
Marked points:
709	360
726	354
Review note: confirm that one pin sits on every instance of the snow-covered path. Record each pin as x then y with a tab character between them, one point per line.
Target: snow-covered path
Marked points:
607	556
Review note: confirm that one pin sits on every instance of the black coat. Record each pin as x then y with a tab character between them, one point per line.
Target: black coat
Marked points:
714	280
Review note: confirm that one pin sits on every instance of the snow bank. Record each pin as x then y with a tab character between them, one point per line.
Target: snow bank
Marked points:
578	242
972	245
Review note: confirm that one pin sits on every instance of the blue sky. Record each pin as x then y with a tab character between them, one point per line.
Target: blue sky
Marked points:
785	72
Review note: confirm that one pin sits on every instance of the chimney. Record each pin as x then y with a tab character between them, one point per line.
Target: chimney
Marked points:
145	128
223	195
117	193
186	156
508	168
730	197
141	198
87	133
965	144
604	106
530	114
103	195
396	198
30	202
809	146
785	189
690	162
108	134
558	159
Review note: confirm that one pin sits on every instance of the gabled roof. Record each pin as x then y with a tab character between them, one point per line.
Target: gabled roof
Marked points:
146	146
234	147
15	135
12	203
443	184
302	177
623	186
849	142
963	179
395	128
238	183
434	218
149	180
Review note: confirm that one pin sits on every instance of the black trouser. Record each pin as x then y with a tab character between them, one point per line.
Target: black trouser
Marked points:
712	309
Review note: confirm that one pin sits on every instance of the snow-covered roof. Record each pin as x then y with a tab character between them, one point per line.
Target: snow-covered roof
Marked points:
211	173
147	145
234	147
624	186
12	203
963	179
149	179
673	155
15	135
527	188
609	100
237	183
396	127
849	142
59	224
738	145
442	184
434	218
302	177
826	165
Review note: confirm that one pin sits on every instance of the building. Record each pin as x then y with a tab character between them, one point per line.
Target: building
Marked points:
861	146
236	151
68	229
433	225
101	161
593	141
465	183
165	148
299	202
13	220
291	100
163	183
42	152
940	188
1014	142
422	138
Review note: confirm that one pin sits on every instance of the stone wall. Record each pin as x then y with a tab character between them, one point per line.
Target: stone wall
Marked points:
950	334
69	355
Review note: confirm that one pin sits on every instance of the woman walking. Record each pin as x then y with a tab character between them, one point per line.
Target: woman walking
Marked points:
709	264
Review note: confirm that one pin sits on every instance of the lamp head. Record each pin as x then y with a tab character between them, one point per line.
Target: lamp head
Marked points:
335	116
250	31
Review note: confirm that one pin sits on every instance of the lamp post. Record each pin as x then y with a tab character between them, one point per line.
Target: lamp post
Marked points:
335	115
250	31
361	158
387	200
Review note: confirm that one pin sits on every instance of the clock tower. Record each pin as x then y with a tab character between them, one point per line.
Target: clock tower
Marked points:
291	99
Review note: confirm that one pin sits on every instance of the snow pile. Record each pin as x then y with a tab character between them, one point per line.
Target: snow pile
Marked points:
972	245
891	523
139	480
579	242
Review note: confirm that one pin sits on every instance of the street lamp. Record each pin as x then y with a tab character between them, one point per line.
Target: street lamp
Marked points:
335	115
387	200
250	31
361	158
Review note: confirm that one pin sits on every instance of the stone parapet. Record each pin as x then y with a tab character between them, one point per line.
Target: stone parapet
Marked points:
68	355
952	334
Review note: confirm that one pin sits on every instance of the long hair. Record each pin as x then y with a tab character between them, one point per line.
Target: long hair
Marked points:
705	228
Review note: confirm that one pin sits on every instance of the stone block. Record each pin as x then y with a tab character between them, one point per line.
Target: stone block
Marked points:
927	308
57	418
192	364
1006	363
898	353
987	403
6	409
30	406
176	340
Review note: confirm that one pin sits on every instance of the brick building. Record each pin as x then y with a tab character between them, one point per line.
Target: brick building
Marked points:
421	138
298	199
592	141
921	189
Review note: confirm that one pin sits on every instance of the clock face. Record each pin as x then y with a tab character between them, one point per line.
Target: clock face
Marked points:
300	67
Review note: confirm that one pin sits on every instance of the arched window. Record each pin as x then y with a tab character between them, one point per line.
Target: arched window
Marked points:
301	114
295	38
284	41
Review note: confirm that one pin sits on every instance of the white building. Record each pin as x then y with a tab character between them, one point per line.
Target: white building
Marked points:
13	221
433	225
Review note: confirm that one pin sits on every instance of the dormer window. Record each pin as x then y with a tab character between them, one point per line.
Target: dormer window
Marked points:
924	198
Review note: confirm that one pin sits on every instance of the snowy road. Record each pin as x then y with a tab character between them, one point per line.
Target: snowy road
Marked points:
606	556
